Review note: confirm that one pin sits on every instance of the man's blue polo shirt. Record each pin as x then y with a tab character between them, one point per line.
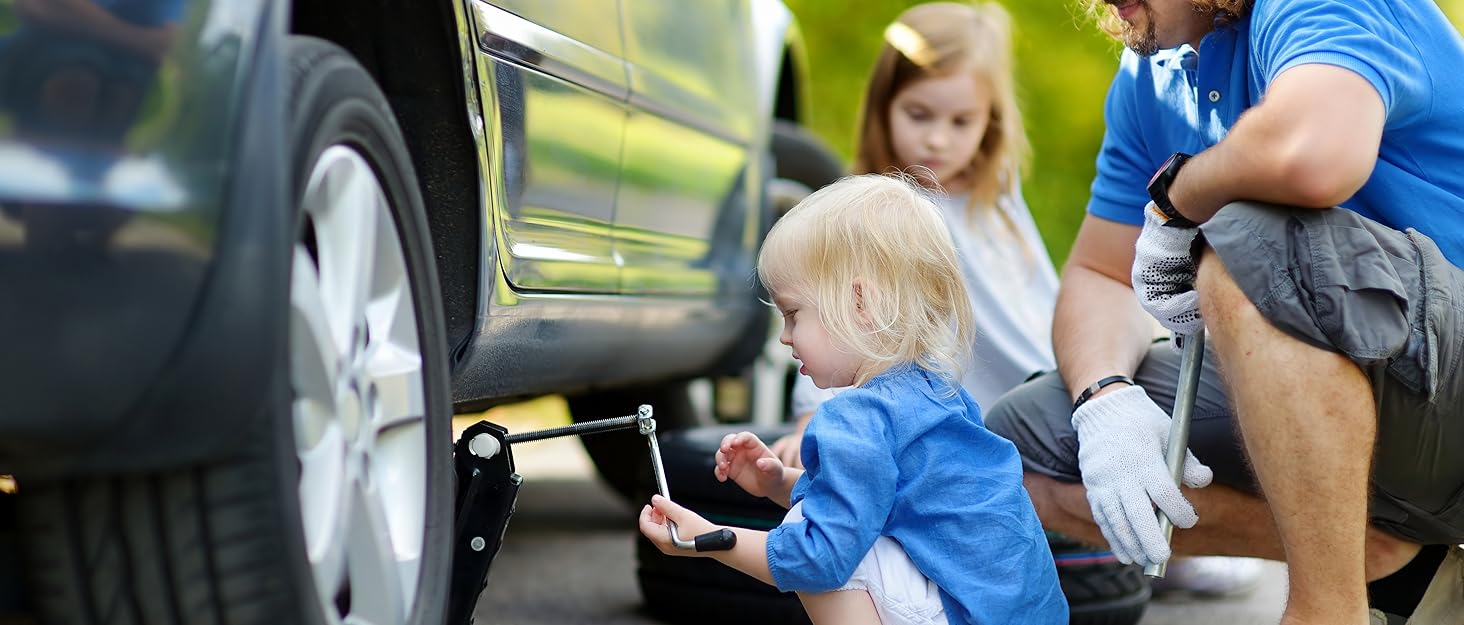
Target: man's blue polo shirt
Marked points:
1177	101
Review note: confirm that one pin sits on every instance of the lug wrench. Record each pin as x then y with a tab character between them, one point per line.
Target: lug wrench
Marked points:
1190	366
719	540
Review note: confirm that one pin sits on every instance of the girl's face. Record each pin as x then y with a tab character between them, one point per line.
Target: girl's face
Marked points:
813	347
938	122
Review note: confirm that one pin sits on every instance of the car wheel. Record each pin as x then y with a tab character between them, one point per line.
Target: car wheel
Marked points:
337	506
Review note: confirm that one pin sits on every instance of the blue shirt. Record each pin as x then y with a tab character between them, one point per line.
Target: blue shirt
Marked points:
900	457
1177	101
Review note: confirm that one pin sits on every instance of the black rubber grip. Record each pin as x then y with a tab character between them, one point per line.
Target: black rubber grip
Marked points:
720	540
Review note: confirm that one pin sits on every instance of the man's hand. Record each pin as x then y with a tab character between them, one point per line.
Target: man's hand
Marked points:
789	446
689	524
1164	273
744	459
1122	439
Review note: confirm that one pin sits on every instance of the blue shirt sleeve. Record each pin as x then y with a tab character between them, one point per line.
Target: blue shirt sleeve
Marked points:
848	491
1118	191
1362	36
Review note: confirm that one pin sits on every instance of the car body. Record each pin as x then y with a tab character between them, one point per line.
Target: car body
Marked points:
559	273
594	182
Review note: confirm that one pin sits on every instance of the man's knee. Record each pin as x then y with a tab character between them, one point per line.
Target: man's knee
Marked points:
1223	304
1036	417
1013	414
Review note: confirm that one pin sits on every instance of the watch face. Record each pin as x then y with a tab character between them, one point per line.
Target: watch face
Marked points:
1169	162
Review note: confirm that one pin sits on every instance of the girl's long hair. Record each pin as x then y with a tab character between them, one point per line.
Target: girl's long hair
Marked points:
941	39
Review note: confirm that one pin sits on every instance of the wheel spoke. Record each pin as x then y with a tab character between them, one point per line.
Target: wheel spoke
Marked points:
344	199
398	470
323	501
375	573
314	356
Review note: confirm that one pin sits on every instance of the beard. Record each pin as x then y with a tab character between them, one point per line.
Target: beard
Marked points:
1144	40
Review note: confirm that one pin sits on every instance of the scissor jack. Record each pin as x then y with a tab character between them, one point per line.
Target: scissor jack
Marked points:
487	488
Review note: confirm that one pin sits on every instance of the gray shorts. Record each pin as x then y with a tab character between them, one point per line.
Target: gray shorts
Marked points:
1386	299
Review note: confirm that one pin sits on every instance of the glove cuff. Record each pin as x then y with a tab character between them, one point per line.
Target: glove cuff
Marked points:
1113	409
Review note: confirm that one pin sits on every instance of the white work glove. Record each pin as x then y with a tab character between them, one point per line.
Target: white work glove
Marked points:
1164	274
1122	438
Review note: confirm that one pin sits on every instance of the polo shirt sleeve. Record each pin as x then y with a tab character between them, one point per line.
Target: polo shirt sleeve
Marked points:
1118	192
846	502
1364	37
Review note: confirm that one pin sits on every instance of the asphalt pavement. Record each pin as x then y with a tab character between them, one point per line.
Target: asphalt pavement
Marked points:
568	557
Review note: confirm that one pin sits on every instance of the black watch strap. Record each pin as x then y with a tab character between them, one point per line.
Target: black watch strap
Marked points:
1159	191
1087	393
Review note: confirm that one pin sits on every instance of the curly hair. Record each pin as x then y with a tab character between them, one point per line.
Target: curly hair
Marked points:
1224	11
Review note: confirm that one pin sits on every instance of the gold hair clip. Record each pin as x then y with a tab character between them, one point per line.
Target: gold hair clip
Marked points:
910	43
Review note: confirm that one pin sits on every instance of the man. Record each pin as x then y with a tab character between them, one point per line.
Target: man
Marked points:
1337	329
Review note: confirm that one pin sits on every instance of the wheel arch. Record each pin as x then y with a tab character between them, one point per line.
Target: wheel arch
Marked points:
413	51
790	101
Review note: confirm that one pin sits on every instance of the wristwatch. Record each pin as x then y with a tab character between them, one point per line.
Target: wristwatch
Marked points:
1159	191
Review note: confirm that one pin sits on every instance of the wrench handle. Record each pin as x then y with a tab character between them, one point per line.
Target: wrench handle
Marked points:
1190	366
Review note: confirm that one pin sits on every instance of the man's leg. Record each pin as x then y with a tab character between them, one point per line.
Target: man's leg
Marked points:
1036	417
1227	519
1228	525
1315	476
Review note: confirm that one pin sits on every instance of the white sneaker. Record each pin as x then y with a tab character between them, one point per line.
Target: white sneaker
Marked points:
1209	576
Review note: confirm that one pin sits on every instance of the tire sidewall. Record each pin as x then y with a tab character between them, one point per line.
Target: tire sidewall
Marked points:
335	102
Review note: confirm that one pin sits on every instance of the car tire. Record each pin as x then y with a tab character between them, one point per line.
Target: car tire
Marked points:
337	503
801	156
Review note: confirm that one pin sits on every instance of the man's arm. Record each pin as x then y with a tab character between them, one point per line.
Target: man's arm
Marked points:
1098	329
1311	142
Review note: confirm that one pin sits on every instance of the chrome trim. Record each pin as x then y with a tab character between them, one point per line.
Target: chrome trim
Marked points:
512	38
488	147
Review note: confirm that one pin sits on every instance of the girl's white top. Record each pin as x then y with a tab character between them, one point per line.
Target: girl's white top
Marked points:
1013	289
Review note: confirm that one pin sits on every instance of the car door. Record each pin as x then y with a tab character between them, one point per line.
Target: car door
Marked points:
556	81
681	207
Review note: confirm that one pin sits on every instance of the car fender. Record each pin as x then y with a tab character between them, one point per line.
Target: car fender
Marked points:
149	354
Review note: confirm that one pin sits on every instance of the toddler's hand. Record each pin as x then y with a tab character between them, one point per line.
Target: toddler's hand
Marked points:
744	459
689	524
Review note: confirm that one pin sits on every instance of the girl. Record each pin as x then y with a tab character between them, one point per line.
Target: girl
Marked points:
941	104
907	502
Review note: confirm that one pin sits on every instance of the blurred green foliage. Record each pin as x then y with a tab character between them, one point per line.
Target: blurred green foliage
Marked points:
1064	65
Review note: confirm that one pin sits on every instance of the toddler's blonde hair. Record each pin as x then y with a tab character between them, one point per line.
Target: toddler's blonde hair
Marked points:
887	233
